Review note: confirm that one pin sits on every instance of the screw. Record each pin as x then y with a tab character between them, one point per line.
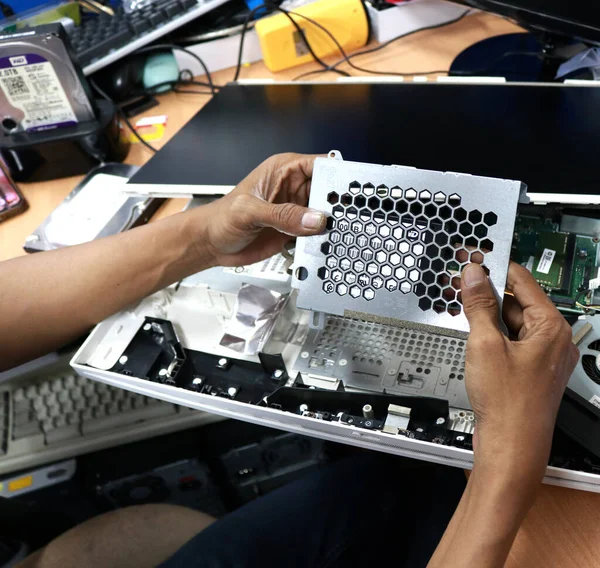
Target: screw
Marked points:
419	429
197	380
232	391
222	362
460	438
147	327
391	371
277	373
303	407
343	362
440	421
304	354
162	373
123	360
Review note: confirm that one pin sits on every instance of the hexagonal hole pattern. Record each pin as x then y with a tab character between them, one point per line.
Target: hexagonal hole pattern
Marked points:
393	218
475	217
490	219
486	245
333	198
382	191
387	205
401	240
379	216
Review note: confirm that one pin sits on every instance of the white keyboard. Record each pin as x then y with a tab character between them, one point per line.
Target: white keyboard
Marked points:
64	415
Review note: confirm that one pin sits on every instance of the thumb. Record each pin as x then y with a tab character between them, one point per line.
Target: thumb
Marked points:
290	218
479	300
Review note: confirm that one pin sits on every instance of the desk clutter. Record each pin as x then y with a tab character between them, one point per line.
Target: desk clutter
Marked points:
356	335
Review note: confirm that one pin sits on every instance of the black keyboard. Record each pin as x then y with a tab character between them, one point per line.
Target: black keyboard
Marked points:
100	34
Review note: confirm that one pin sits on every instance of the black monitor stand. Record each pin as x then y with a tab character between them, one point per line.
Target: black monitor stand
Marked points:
517	57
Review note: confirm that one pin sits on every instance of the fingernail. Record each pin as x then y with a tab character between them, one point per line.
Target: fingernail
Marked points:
313	219
472	275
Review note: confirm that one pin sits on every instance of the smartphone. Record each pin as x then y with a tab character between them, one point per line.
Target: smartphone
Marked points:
12	201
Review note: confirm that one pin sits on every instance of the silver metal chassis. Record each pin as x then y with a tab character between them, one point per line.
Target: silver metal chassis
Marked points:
395	231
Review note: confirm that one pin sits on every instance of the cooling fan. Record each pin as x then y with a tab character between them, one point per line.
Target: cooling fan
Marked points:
585	379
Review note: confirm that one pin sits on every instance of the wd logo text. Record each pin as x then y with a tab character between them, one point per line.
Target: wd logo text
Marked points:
20	60
412	235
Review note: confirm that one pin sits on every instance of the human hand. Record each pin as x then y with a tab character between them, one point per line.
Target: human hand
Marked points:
515	386
265	211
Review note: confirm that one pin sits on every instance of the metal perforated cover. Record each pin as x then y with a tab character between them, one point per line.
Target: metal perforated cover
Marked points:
396	239
383	358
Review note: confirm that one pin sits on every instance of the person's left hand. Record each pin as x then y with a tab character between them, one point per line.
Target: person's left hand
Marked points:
265	211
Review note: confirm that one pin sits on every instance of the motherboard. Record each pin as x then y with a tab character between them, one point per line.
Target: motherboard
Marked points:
564	262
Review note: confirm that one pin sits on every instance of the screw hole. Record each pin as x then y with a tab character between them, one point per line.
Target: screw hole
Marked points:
301	273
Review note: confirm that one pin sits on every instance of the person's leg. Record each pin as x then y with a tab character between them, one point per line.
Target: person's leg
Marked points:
361	508
354	511
134	537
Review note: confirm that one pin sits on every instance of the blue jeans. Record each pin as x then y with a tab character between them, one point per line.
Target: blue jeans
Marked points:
365	508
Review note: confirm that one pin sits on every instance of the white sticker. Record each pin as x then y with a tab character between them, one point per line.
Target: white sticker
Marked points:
32	88
19	60
273	268
529	265
546	261
595	400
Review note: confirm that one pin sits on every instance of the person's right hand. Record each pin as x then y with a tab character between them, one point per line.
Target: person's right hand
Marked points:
515	386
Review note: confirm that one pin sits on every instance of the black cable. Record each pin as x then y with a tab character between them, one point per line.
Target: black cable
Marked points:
348	58
123	116
249	17
172	46
289	14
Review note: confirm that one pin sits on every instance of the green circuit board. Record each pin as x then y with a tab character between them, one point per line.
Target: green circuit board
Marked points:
562	263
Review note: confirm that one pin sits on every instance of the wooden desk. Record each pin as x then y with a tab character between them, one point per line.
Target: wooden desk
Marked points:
563	527
428	50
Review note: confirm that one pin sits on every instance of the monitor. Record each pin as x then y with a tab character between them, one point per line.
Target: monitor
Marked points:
579	19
